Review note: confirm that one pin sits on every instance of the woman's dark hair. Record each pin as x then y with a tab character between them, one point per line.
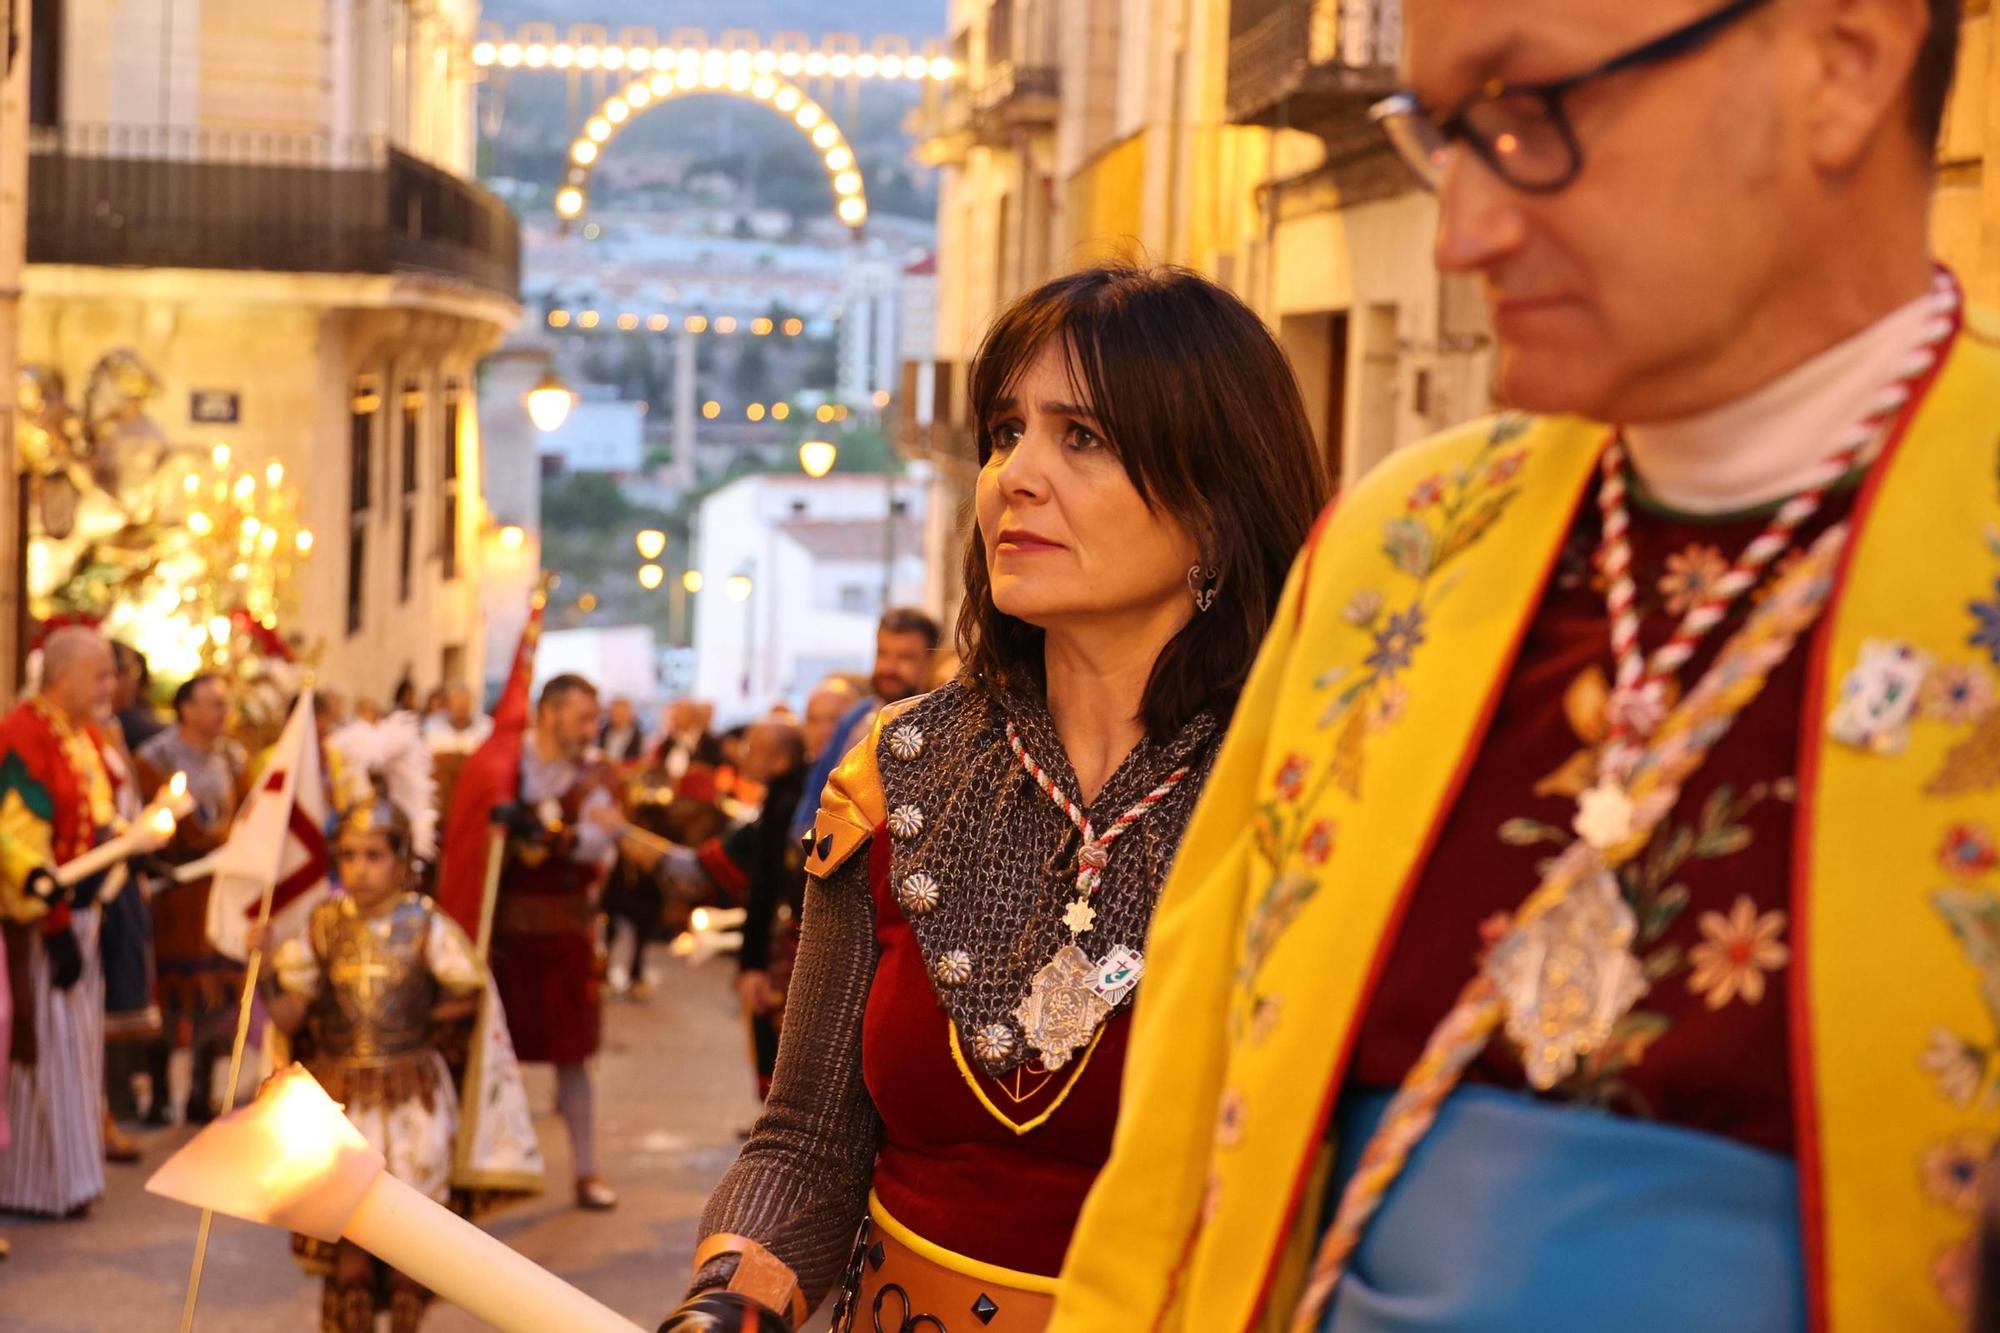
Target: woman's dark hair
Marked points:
1201	407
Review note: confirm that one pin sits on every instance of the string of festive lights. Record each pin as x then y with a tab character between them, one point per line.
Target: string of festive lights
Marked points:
885	63
660	322
715	72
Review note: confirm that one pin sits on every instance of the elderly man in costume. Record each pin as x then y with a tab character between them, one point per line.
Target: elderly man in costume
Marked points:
1594	920
56	801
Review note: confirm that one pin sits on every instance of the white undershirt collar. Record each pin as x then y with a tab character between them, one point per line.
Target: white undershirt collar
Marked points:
1763	446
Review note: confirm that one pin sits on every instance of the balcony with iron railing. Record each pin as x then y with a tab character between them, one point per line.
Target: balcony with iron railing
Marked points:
1311	64
1020	87
1016	96
943	124
165	197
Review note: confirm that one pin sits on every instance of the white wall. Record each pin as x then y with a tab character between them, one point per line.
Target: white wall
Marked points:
781	640
600	436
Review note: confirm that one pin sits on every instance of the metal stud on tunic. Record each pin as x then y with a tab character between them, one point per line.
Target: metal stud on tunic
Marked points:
905	822
919	895
953	968
993	1043
906	742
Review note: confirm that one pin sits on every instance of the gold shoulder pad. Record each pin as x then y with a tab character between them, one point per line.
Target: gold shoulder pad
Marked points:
852	807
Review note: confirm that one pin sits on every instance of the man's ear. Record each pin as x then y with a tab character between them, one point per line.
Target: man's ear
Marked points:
1865	52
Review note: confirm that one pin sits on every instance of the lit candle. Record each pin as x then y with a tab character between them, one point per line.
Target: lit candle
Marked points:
290	1159
711	931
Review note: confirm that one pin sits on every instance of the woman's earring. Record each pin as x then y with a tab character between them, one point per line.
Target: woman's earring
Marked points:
1204	584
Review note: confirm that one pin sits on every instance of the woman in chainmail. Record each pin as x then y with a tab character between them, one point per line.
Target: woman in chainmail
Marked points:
985	866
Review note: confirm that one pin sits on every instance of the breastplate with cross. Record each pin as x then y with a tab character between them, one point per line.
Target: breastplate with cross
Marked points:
379	991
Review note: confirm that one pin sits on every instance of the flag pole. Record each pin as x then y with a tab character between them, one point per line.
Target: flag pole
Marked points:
250	970
475	1059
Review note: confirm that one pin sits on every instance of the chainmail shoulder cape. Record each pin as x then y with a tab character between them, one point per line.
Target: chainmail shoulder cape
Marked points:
994	860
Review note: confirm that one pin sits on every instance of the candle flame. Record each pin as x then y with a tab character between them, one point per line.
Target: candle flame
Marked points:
289	1159
178	784
700	918
162	822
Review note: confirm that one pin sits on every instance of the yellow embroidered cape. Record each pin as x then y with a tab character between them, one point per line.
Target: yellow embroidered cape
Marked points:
1280	911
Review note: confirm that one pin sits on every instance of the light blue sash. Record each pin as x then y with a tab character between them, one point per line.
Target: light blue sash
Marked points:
1520	1216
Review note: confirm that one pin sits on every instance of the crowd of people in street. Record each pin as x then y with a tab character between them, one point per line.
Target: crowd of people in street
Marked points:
616	832
1556	887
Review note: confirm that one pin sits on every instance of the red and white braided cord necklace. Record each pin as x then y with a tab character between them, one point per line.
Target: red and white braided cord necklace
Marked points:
1639	699
1096	853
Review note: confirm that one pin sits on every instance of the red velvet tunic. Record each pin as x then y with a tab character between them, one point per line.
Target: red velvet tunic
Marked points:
948	1169
1706	1047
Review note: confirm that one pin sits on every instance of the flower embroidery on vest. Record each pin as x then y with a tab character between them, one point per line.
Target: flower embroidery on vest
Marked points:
1445	516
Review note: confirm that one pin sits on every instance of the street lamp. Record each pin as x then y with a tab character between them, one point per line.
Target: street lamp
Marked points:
692	581
549	402
651	542
651	577
817	457
740	587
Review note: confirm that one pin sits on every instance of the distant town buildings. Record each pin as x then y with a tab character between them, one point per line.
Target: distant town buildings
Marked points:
793	572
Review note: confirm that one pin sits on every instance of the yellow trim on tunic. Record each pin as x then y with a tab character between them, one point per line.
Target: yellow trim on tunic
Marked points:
955	1262
1020	1127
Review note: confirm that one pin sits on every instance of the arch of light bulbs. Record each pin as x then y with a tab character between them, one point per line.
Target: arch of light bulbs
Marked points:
888	63
733	74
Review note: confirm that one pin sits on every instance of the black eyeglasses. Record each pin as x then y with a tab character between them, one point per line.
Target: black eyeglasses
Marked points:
1520	129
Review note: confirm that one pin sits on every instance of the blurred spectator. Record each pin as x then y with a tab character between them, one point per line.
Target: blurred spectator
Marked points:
369	710
197	985
132	700
824	710
686	743
331	706
461	728
905	642
621	739
406	696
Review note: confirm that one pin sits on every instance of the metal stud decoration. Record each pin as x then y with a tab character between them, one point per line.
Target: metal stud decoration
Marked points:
919	895
905	822
993	1043
953	968
906	742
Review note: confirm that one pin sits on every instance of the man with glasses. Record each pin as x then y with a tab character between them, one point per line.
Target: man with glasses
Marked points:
1594	919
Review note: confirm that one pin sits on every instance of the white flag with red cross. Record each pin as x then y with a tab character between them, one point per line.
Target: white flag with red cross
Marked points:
278	843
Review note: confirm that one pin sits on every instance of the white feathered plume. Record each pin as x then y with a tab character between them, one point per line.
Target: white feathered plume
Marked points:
390	753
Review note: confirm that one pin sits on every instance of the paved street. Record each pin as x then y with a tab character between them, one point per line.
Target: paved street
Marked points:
674	1088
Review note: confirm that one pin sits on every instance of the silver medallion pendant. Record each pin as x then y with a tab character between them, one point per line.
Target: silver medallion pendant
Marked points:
1062	1013
1568	977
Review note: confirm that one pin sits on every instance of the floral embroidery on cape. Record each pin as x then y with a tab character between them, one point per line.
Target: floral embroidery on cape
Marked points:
1445	516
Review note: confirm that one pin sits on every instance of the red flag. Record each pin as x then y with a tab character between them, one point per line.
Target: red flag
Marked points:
490	777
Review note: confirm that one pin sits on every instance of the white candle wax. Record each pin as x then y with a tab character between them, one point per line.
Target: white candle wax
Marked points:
428	1242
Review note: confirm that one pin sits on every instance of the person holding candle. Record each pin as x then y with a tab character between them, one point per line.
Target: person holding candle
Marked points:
198	986
984	866
56	802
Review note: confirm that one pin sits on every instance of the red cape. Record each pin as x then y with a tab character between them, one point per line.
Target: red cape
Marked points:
491	777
